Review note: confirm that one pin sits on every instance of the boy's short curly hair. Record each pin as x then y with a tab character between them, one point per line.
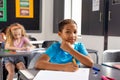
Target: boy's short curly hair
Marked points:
64	22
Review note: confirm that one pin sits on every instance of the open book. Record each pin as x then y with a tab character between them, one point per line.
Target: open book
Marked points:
81	74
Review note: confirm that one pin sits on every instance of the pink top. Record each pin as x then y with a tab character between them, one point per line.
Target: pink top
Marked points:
24	40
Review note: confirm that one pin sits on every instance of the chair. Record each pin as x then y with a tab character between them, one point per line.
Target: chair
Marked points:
33	60
91	51
34	39
111	56
46	44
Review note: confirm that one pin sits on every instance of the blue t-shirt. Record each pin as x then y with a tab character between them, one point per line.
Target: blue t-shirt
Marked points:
59	56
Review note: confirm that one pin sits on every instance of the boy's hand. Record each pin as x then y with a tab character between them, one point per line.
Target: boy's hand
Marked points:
66	46
71	67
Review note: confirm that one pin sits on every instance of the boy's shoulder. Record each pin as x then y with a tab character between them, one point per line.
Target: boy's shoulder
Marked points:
78	43
56	44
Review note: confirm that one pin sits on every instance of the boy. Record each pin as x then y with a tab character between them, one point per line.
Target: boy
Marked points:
60	56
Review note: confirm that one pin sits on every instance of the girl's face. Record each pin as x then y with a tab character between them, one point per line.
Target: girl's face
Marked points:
17	33
69	33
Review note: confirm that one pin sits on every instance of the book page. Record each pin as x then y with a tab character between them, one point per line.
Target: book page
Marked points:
81	74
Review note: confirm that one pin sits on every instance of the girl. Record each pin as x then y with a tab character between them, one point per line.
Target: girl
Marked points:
16	40
60	56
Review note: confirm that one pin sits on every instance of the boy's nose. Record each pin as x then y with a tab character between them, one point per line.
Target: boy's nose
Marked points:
72	35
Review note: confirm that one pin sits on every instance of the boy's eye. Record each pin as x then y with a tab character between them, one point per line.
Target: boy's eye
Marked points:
67	31
75	32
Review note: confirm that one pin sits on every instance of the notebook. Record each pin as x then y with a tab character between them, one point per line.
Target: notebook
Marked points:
115	65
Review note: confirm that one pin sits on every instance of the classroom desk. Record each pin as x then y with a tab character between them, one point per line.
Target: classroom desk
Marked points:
111	64
104	70
9	54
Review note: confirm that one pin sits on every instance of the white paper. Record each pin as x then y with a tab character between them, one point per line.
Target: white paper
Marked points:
95	5
81	74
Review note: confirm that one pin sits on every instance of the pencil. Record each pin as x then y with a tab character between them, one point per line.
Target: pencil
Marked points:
74	61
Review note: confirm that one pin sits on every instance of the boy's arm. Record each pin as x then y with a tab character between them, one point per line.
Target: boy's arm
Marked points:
44	64
86	60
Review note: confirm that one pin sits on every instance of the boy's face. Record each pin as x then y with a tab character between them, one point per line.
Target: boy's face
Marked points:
17	33
69	33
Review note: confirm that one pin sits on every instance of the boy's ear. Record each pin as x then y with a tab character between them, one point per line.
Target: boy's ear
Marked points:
59	33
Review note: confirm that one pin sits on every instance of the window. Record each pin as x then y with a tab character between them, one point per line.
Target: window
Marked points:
67	9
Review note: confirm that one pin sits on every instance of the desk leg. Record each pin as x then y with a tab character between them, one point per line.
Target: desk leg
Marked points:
97	57
1	69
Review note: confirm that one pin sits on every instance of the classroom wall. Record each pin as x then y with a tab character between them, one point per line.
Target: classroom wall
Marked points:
91	42
47	22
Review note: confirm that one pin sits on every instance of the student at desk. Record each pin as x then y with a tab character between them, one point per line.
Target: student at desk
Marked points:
3	34
3	37
60	56
16	40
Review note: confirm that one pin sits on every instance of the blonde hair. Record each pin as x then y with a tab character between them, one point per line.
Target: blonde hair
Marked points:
11	28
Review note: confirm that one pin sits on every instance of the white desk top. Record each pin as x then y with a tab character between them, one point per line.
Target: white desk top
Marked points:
36	42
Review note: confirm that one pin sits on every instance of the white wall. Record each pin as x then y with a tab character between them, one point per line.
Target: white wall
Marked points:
91	42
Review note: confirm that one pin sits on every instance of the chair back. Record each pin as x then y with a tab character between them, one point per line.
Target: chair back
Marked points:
34	39
46	44
111	56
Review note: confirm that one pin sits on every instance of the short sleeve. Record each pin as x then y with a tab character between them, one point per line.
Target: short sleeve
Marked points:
51	51
82	49
26	40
